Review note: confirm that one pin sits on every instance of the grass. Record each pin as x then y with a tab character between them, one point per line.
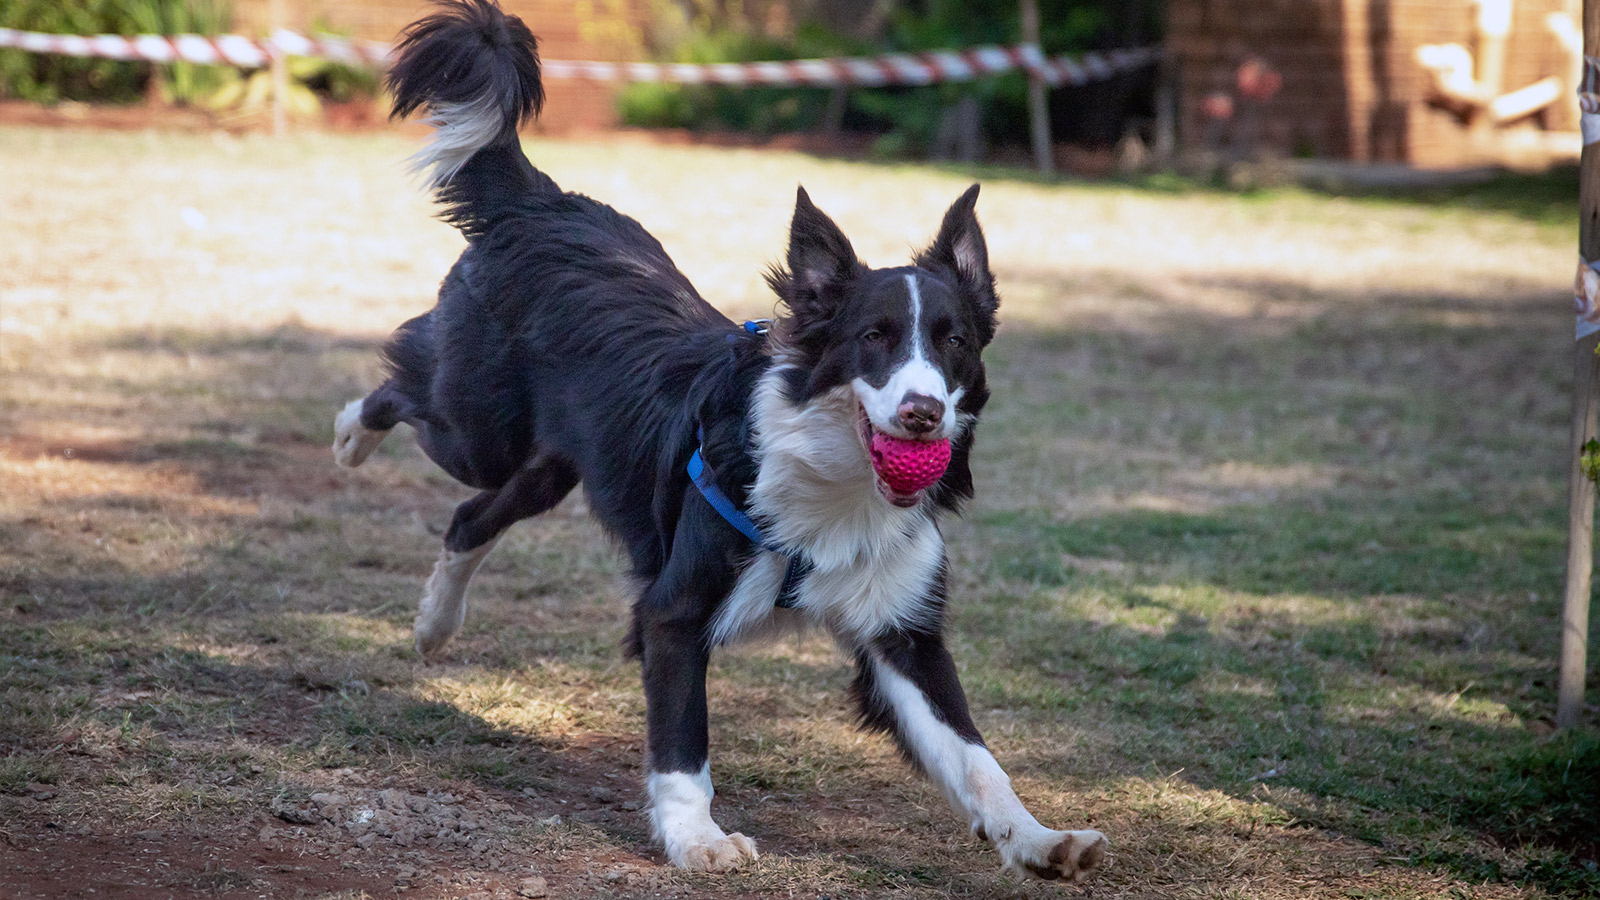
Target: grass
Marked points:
1261	580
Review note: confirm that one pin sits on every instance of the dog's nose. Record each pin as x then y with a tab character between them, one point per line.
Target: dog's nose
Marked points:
920	414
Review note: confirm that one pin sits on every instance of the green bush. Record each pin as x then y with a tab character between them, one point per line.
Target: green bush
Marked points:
905	117
763	110
50	78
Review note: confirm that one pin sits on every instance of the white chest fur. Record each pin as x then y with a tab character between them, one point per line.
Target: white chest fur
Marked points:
873	563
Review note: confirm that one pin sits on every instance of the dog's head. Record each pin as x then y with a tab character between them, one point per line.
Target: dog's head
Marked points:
905	343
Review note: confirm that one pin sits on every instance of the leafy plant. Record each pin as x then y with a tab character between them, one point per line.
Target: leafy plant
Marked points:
51	78
906	118
311	81
183	83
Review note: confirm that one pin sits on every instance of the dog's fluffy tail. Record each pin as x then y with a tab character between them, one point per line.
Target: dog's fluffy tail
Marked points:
476	71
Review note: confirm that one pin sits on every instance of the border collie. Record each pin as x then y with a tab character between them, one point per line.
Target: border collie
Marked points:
567	348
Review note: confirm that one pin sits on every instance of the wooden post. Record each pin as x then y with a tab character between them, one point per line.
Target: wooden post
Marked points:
1580	493
280	74
1038	109
1165	149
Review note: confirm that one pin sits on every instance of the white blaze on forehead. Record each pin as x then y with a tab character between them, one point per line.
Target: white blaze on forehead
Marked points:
914	376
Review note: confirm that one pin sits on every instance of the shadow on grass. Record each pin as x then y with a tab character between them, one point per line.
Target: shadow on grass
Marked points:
1421	501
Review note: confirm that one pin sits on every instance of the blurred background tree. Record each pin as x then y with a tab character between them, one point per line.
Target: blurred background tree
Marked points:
940	120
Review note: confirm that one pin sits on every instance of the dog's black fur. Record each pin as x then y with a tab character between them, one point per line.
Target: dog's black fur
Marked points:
567	348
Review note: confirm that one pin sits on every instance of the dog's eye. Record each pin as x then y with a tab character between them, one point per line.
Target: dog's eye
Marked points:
872	336
957	340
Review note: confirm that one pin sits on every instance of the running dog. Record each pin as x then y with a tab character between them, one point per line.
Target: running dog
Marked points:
754	476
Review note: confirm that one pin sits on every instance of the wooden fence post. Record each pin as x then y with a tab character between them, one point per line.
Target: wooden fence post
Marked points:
1038	108
1580	494
280	73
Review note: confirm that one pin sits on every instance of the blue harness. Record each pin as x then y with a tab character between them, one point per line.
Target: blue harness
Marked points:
705	481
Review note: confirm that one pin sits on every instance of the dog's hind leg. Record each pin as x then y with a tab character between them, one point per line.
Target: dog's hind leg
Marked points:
363	424
477	524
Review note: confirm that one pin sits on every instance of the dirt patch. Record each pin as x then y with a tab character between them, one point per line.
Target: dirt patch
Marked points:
378	842
46	860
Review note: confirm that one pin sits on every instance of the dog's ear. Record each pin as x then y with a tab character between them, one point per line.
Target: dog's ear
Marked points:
960	250
821	263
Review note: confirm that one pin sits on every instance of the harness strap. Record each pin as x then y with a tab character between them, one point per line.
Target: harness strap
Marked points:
703	478
700	473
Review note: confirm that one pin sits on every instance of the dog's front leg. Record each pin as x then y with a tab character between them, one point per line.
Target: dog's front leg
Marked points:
907	685
674	656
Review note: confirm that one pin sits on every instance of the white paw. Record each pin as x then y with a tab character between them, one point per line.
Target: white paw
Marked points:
352	441
680	818
1051	855
443	609
444	600
712	853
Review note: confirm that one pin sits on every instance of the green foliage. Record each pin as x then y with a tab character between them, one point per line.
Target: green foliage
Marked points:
49	78
45	78
183	83
904	117
311	81
1589	460
762	110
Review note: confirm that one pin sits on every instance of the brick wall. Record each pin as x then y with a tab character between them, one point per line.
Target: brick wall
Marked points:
566	30
1303	39
1416	132
1352	86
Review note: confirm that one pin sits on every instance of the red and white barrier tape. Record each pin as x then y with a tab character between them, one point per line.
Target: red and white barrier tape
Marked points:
230	49
869	71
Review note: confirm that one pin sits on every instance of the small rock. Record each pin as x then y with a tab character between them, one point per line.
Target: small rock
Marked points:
602	793
41	791
551	822
294	814
533	887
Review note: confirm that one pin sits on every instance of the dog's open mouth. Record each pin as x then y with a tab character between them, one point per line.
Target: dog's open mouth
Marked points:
905	467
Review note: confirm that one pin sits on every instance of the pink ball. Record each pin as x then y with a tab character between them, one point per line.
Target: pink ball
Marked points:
909	466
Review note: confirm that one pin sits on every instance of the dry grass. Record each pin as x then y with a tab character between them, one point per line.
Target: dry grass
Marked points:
1260	579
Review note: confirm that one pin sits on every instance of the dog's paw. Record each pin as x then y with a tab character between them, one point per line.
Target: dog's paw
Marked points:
713	854
444	602
1057	855
431	634
352	441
